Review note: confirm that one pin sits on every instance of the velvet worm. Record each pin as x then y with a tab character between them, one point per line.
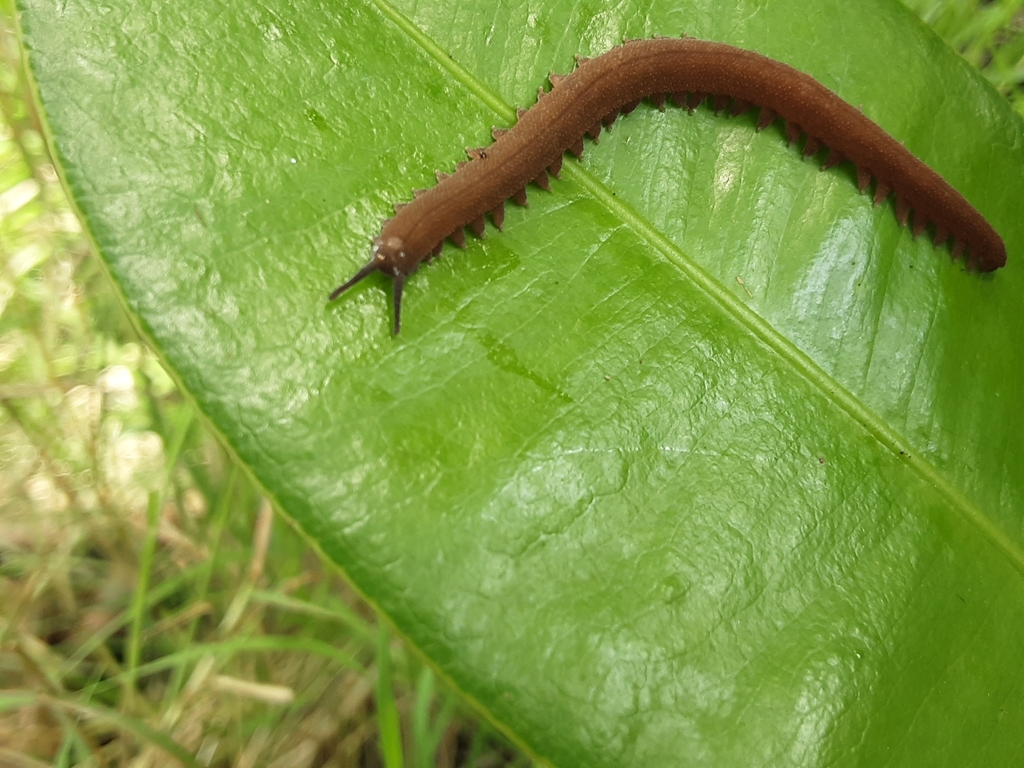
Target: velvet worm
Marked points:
688	71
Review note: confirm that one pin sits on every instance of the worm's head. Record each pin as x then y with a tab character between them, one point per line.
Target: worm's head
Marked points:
389	253
387	256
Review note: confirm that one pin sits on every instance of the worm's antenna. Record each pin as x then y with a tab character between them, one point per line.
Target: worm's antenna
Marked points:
371	266
397	284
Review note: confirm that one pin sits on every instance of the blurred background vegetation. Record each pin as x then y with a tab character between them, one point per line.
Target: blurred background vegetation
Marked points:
153	609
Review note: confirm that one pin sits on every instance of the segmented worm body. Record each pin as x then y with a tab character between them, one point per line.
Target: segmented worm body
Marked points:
688	71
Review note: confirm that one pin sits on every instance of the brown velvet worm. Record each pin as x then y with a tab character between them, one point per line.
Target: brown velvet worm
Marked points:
688	71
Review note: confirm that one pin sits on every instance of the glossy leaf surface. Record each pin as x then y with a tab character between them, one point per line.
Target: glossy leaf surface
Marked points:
703	461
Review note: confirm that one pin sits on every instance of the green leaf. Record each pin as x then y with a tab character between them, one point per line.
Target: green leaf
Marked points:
639	512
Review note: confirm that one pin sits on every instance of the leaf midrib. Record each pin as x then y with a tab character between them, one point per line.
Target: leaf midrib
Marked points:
802	365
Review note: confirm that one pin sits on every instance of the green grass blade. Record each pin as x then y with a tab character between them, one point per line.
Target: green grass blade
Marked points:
387	711
138	611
